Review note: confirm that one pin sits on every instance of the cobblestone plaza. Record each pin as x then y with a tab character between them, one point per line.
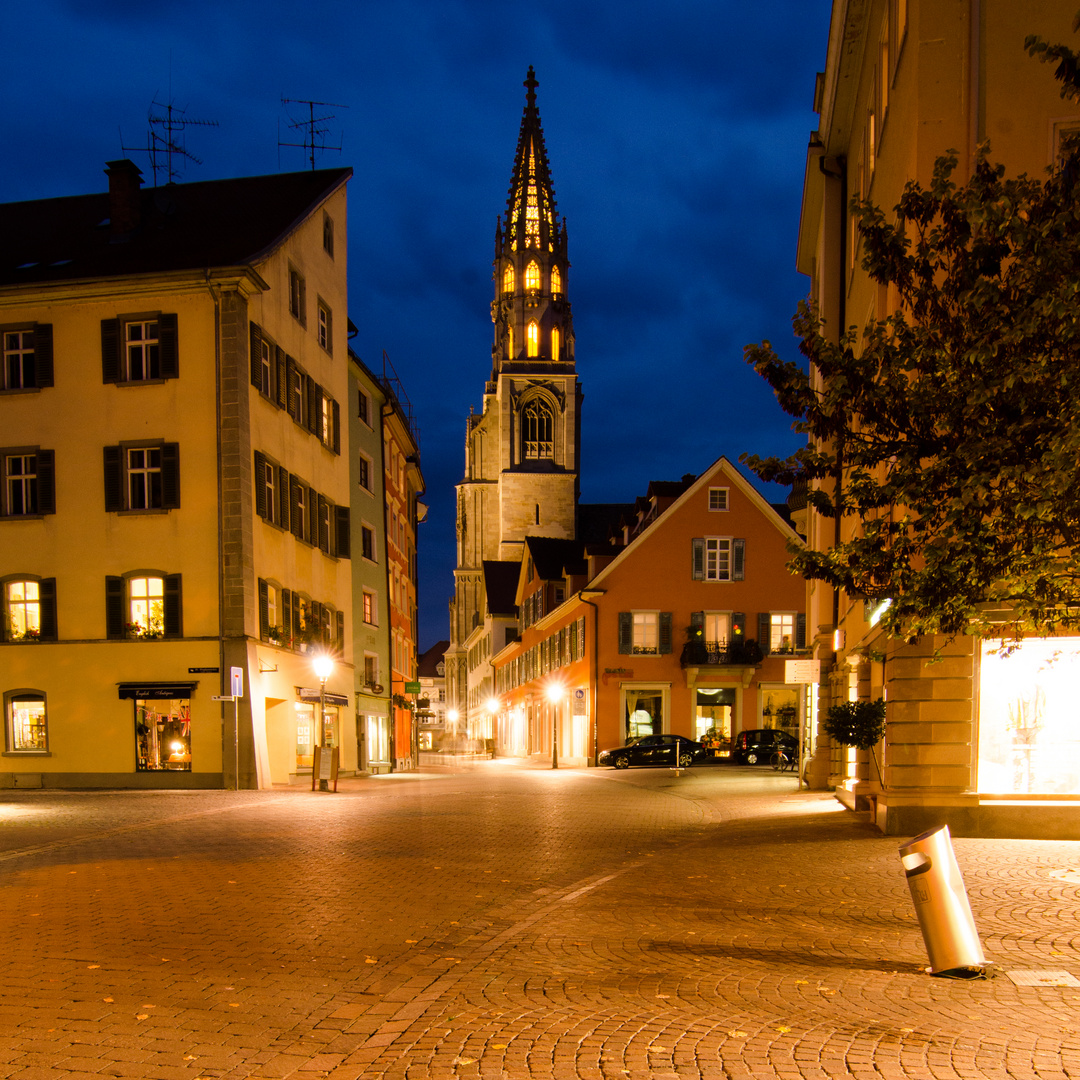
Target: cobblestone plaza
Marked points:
496	920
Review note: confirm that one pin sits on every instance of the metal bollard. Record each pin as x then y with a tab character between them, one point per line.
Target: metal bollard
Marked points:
941	904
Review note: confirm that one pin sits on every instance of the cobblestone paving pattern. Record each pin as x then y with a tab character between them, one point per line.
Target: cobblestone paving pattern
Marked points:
502	921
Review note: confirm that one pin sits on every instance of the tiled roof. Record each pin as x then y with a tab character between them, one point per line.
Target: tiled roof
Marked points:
180	227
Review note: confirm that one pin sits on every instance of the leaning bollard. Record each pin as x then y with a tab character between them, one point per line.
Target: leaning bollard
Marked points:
941	904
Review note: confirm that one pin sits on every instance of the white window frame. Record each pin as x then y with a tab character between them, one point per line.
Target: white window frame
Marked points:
150	366
782	624
15	348
369	609
145	604
645	626
325	330
22	613
151	498
25	482
719	498
12	741
718	558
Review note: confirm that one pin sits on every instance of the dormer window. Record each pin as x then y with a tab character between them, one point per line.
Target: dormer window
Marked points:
508	278
556	282
532	276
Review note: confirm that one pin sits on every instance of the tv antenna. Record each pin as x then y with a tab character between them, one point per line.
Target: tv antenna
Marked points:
166	144
314	129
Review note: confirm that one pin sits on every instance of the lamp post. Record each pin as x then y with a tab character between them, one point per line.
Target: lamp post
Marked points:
555	694
324	668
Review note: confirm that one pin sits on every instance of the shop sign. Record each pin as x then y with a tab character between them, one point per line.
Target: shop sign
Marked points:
155	691
802	671
412	688
204	671
310	693
579	701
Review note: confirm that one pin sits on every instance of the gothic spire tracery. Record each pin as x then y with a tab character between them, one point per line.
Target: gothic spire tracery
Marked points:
531	220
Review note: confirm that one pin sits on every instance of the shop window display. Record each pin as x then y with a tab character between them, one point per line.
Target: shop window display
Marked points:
163	735
305	735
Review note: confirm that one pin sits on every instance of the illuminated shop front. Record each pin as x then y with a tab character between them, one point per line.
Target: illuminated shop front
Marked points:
162	716
307	724
1029	719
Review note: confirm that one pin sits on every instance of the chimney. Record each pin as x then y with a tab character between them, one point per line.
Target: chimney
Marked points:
125	178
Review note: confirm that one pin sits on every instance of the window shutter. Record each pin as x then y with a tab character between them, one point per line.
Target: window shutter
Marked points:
339	630
290	380
256	354
168	350
173	622
43	354
260	482
626	633
738	626
285	614
800	631
170	476
738	559
314	618
281	383
283	497
311	403
335	411
46	485
114	607
697	623
665	632
581	638
297	629
303	302
110	350
342	539
114	479
296	519
764	626
47	599
264	613
324	524
313	517
697	559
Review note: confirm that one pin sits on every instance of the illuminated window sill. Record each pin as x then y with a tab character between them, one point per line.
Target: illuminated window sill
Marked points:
27	753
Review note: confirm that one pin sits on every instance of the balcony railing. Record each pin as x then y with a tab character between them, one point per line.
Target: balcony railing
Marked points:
731	653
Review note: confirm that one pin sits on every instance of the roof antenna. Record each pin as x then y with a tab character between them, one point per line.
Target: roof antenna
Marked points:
165	143
315	132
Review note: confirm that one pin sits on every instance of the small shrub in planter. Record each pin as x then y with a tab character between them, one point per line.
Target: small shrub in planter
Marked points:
856	723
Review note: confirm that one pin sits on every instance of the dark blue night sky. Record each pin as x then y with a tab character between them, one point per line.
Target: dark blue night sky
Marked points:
677	138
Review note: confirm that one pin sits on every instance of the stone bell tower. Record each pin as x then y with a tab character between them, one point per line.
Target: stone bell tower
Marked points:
522	452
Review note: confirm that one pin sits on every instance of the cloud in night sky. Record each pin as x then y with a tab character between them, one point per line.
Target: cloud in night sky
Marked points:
676	133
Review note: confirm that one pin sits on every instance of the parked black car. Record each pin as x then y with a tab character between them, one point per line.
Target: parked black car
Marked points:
756	746
653	750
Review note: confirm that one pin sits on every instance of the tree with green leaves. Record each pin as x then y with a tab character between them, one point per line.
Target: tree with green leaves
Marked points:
954	422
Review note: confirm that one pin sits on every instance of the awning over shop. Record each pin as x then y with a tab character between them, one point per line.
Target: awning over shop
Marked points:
308	693
157	691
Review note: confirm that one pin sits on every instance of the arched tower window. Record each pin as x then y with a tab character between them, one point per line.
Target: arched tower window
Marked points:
510	343
556	282
532	339
532	276
556	342
508	278
537	431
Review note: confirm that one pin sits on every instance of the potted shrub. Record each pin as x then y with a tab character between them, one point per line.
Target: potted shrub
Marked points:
857	723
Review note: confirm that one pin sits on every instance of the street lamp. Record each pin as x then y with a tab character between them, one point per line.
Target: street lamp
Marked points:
555	692
324	668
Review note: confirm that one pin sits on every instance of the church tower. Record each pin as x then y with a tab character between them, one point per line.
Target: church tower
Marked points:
522	452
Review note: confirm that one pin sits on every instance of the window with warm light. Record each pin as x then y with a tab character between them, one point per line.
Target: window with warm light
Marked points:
510	342
781	632
23	610
556	282
646	628
146	604
27	728
532	339
556	342
508	278
532	275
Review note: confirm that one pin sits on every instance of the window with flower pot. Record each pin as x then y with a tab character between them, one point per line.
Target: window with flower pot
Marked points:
29	609
143	605
26	721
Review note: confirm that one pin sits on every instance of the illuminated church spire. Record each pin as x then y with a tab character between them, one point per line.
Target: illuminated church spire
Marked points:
531	311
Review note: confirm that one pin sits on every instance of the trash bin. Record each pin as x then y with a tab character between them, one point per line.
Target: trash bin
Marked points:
941	904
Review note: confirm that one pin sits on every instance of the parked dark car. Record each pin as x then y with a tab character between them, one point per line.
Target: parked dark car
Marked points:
653	750
757	746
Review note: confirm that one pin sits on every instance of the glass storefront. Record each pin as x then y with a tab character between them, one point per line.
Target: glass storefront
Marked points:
163	734
644	712
780	708
712	716
377	740
305	735
1029	734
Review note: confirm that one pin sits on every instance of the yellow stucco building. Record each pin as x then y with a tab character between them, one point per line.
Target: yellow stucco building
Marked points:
982	742
174	500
